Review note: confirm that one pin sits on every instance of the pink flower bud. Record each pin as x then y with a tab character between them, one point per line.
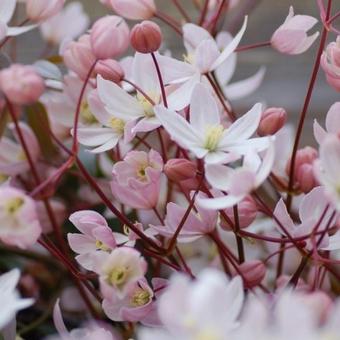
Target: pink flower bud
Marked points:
78	56
247	211
146	37
291	37
180	169
330	62
272	121
21	84
134	9
39	10
253	272
303	171
110	69
109	37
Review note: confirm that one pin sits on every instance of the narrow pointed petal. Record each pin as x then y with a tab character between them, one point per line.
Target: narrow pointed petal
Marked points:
7	8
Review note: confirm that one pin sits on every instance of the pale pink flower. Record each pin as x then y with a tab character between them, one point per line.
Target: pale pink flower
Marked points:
134	9
133	307
332	124
291	37
330	62
205	136
21	84
327	168
196	225
120	270
71	22
106	29
7	9
9	297
95	236
40	10
239	182
136	180
92	331
312	207
209	307
19	219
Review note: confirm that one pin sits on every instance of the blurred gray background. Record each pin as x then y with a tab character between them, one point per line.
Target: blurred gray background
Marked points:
286	78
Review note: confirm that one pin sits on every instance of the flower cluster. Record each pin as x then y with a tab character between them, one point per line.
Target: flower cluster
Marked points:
139	201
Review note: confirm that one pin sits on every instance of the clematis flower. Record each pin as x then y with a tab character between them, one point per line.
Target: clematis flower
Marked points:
96	236
20	224
330	62
136	180
239	182
311	209
7	8
120	270
332	124
327	168
135	306
209	307
91	332
291	36
70	23
205	136
9	297
195	226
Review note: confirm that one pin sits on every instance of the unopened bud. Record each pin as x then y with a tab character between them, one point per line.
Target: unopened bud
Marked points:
272	121
110	69
253	272
180	169
146	37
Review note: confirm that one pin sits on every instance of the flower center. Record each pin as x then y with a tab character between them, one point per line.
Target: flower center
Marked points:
102	246
141	172
189	58
117	125
213	135
118	276
86	115
140	298
13	205
147	106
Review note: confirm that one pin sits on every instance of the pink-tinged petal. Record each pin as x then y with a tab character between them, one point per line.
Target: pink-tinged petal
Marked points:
58	321
267	163
242	182
105	235
14	31
80	243
117	101
333	242
244	127
333	118
205	55
98	109
226	70
306	44
7	8
330	159
245	87
219	203
319	132
180	98
301	22
286	41
231	46
86	220
178	128
193	35
203	109
3	30
145	125
283	217
95	136
218	176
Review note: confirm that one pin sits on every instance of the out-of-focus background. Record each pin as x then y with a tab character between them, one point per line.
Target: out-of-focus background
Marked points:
286	77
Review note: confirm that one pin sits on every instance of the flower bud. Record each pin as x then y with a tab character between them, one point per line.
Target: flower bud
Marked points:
21	84
303	171
109	37
253	272
330	62
78	56
110	69
180	169
39	10
272	121
134	9
247	211
146	37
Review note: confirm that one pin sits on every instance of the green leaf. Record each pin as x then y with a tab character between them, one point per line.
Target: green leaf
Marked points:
38	120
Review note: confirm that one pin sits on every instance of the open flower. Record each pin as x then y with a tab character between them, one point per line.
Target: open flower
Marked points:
205	136
291	36
7	8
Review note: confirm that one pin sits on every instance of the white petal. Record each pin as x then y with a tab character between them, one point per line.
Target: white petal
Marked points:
14	31
193	35
219	202
218	176
7	8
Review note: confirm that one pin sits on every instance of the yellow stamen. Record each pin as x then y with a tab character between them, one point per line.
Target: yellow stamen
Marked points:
118	276
140	298
13	205
117	125
213	135
101	246
86	115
